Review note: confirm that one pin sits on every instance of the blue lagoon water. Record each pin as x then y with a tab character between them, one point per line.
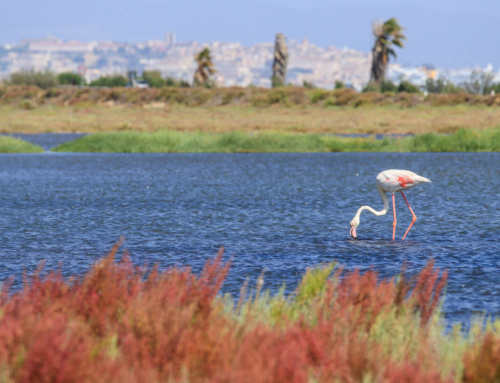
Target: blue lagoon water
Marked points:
278	212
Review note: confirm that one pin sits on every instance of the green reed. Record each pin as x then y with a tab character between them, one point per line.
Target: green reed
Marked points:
236	142
15	145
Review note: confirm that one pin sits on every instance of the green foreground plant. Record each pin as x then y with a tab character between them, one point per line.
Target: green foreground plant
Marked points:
171	142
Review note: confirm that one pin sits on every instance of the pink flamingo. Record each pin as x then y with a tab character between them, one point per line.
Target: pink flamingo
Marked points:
391	181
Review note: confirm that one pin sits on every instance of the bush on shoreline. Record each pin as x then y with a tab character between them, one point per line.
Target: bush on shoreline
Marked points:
177	142
251	96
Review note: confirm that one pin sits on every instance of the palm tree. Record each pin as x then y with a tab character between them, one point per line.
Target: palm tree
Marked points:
387	35
280	61
205	67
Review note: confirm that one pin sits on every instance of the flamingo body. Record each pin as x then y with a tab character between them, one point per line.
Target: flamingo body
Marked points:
397	181
391	181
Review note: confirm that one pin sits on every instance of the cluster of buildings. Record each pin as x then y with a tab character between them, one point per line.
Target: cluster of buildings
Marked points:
236	64
419	75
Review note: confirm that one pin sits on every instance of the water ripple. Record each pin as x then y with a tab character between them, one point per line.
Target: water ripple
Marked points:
279	212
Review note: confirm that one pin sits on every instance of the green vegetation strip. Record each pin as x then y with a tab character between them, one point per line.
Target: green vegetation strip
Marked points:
15	145
177	142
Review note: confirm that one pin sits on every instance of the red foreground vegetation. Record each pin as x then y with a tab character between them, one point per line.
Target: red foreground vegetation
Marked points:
117	325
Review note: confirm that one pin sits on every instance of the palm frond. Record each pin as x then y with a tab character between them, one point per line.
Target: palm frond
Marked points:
386	42
389	33
398	43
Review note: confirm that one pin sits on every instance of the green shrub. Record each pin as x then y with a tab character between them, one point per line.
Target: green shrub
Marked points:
110	81
408	87
442	86
480	82
70	78
339	85
388	86
154	79
43	80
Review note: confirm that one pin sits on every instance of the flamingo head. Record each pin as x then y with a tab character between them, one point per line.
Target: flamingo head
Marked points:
354	226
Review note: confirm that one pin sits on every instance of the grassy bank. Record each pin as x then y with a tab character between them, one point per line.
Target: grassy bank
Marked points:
15	145
115	324
91	118
176	142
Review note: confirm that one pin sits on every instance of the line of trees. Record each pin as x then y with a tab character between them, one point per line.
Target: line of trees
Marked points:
479	83
47	79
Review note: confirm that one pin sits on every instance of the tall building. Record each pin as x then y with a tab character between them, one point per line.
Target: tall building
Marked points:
170	39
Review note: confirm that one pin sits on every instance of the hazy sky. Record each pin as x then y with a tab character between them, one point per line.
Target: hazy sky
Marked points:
446	33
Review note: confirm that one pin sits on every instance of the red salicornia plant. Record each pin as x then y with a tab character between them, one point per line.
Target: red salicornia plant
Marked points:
119	323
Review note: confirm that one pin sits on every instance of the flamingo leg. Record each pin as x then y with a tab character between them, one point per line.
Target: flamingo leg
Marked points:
412	213
395	221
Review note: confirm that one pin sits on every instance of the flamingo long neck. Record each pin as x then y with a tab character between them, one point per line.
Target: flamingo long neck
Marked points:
373	211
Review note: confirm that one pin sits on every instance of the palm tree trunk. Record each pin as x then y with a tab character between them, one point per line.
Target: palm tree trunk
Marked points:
200	77
280	61
379	62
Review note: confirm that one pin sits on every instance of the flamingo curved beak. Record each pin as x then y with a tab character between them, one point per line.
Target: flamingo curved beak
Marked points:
353	232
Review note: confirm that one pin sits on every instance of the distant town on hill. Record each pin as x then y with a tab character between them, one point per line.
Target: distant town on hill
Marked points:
236	65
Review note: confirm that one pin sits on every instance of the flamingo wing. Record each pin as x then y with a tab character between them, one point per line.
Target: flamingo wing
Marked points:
397	180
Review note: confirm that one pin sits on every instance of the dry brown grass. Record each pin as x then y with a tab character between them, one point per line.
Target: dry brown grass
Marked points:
297	119
291	109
